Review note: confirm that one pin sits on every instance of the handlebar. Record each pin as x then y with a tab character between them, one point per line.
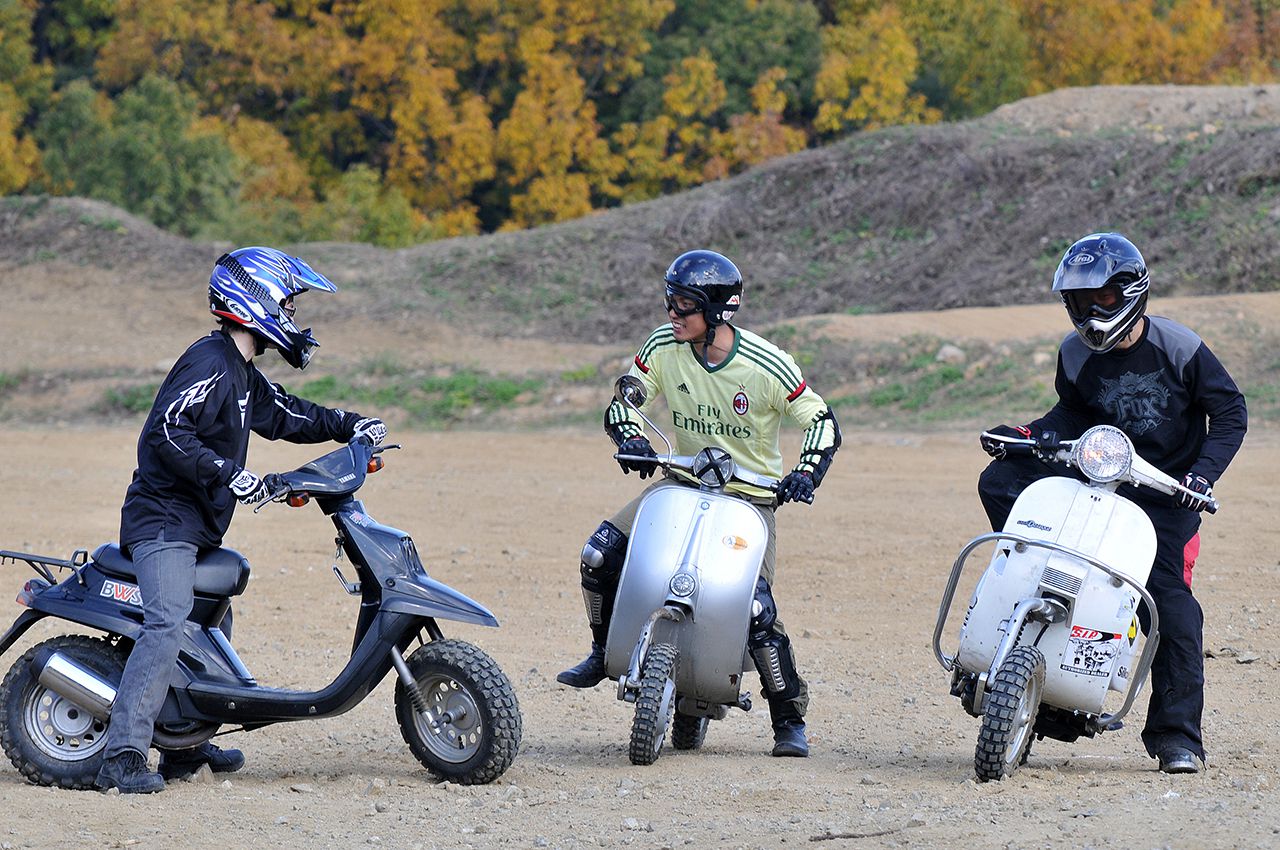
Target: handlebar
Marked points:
686	463
1140	473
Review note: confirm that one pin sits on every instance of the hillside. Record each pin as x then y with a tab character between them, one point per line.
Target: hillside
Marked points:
972	214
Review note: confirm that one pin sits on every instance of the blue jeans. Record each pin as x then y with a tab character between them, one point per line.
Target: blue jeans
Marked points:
166	576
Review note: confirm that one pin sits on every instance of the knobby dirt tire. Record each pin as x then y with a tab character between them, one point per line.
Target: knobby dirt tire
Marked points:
1005	736
472	729
688	732
50	739
654	705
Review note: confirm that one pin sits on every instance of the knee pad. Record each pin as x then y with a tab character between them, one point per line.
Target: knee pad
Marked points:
770	650
602	559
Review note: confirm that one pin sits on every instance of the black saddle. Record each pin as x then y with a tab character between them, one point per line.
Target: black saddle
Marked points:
219	572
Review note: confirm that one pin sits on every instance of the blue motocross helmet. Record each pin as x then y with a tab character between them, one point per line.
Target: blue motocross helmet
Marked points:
1103	282
249	287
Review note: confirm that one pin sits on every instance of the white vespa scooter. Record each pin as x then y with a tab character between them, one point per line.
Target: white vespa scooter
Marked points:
678	638
1052	625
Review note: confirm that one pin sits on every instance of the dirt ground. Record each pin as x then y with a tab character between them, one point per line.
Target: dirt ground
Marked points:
502	518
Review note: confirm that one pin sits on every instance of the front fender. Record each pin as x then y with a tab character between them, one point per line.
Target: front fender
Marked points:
427	597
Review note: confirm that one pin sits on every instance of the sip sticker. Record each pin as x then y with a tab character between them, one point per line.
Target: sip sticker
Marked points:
1090	651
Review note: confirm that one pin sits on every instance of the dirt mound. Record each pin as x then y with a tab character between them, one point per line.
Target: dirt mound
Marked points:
1088	110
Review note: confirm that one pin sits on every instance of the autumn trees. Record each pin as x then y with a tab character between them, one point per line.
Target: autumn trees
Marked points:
395	121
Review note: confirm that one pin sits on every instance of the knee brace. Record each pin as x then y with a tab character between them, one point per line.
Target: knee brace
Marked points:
602	559
771	650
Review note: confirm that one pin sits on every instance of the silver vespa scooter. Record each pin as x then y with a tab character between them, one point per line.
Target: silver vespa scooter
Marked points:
677	643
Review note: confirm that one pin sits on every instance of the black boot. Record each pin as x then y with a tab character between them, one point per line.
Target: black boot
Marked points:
177	764
789	740
128	772
588	673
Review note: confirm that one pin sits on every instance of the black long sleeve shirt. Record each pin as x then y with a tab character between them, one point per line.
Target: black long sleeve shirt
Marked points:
196	439
1168	392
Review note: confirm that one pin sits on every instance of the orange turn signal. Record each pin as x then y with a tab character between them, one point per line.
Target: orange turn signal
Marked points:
375	463
298	500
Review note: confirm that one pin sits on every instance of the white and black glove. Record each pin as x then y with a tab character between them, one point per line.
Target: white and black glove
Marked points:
249	488
370	429
1196	483
996	448
796	487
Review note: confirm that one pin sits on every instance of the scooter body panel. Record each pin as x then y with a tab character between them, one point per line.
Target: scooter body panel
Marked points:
1089	652
720	542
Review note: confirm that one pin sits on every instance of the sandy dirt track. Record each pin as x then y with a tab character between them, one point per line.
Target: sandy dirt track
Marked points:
502	518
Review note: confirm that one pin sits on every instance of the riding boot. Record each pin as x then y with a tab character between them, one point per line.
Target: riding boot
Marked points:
588	673
128	772
178	764
788	730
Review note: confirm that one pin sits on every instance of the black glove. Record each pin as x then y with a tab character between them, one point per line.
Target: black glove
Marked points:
1195	482
249	488
796	487
370	429
638	446
997	449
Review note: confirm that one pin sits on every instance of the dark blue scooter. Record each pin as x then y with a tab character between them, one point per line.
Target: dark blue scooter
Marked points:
456	708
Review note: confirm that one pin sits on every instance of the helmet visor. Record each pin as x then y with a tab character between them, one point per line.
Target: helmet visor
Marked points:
695	300
1104	303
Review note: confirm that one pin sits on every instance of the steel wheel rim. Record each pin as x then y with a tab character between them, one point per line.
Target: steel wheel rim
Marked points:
1023	721
451	726
60	728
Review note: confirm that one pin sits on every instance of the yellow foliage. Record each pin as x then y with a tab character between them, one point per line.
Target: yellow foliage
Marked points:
694	90
19	157
868	66
272	169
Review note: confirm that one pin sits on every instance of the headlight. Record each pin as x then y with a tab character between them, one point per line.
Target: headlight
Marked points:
713	466
683	584
1103	454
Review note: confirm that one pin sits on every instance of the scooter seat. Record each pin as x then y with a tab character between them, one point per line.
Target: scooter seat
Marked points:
219	572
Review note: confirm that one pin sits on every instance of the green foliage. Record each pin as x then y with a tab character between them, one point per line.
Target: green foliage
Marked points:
132	399
141	152
431	401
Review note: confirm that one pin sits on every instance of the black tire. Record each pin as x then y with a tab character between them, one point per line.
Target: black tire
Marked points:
689	732
654	705
471	748
50	739
1005	737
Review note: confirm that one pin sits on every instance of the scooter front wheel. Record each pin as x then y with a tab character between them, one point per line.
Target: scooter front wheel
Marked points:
49	738
654	704
1007	724
470	728
688	732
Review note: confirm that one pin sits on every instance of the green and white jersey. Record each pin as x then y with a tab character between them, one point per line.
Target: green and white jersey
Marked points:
737	404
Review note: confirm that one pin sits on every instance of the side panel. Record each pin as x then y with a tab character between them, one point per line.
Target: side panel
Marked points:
1082	652
721	541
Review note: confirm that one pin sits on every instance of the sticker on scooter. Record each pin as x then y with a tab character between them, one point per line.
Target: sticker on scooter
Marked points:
129	594
1090	651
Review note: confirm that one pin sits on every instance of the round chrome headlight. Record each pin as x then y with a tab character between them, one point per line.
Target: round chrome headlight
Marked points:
683	584
1103	454
713	466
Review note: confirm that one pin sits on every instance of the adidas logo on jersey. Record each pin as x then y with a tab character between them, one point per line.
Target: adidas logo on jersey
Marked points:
682	388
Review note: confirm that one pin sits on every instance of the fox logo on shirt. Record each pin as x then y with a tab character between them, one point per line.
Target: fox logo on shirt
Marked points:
1136	402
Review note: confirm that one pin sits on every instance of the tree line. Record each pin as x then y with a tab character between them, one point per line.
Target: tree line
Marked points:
397	121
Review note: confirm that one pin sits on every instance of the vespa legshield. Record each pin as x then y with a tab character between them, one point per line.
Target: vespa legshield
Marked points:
719	540
1091	651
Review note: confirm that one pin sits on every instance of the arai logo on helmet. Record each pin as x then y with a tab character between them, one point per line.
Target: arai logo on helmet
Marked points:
1081	259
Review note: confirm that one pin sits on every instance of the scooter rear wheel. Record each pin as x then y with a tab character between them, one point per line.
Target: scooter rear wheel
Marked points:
688	732
654	704
49	738
471	727
1007	724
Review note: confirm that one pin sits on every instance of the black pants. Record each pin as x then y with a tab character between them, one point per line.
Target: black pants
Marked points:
1177	673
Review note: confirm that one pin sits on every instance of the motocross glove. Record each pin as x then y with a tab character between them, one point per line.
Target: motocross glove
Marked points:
997	449
1199	484
637	446
371	430
796	487
249	488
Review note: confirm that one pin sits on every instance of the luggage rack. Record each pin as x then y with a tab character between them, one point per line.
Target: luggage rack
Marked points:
42	563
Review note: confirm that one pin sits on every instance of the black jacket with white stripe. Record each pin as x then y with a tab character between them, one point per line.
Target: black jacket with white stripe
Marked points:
196	439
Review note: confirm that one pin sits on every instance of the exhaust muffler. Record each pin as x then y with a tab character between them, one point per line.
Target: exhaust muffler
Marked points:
71	680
